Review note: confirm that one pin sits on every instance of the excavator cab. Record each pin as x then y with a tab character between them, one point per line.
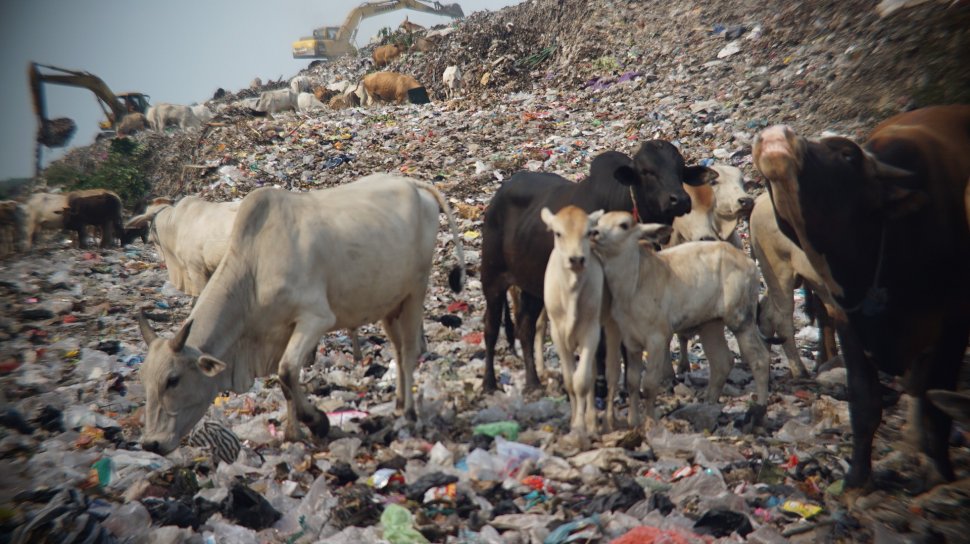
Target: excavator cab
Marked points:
132	102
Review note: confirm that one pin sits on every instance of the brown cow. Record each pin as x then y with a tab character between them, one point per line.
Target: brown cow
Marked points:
424	44
388	87
885	226
384	54
99	207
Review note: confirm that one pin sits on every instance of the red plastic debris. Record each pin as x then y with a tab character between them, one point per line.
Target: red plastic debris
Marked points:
460	306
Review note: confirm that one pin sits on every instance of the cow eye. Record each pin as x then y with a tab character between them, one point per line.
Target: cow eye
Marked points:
172	382
625	226
558	235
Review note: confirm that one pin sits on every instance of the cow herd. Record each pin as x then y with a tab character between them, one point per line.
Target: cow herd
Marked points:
642	249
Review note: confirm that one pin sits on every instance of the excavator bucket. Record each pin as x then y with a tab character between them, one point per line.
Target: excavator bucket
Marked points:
56	132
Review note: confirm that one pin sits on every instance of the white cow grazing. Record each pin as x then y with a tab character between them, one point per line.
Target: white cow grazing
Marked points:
301	84
192	237
162	115
452	80
44	211
308	102
276	101
574	302
202	113
697	285
782	263
299	265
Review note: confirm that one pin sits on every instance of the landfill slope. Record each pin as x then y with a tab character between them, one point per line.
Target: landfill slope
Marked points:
563	81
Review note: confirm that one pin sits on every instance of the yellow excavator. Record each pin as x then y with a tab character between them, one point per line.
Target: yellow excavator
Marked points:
58	132
330	42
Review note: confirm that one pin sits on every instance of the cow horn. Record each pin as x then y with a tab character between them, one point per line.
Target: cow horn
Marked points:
884	170
146	330
177	342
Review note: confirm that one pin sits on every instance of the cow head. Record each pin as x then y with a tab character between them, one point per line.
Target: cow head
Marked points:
731	201
699	223
571	229
180	384
616	233
655	175
831	196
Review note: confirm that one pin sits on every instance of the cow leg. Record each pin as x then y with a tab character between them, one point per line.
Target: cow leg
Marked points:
107	235
404	329
584	381
755	353
945	374
611	335
634	371
657	347
355	345
865	407
826	325
495	302
719	358
303	342
525	330
82	242
568	365
683	366
538	343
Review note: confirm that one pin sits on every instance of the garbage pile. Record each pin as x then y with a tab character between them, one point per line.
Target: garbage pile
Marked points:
566	80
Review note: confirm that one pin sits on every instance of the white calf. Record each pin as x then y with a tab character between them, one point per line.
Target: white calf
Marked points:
697	285
574	299
301	84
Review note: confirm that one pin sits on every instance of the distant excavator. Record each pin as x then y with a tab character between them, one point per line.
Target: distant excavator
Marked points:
331	42
58	132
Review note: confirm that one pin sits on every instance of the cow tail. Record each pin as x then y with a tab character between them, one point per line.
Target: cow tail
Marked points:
456	278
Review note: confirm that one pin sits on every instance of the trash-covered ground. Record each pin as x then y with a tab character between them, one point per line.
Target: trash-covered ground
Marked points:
564	81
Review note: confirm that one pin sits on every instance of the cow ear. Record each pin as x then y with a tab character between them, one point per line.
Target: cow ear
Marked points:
595	217
547	217
177	342
626	175
210	366
656	233
146	330
699	175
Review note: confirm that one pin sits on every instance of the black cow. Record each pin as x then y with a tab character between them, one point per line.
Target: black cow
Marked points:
885	226
516	243
97	207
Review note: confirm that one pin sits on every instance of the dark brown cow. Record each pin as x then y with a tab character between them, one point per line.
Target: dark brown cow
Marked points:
885	227
98	207
516	243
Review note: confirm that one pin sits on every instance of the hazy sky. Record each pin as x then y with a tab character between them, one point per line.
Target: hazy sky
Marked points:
177	51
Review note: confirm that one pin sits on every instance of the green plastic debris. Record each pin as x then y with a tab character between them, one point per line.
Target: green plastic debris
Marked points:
835	488
103	467
507	429
398	526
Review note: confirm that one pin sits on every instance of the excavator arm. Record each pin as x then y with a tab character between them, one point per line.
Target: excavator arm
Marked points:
109	102
371	9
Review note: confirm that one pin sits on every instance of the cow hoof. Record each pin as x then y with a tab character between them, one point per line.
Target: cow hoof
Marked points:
489	386
411	415
292	433
321	426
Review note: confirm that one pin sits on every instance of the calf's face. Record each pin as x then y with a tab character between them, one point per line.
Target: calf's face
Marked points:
179	387
617	232
571	229
732	202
